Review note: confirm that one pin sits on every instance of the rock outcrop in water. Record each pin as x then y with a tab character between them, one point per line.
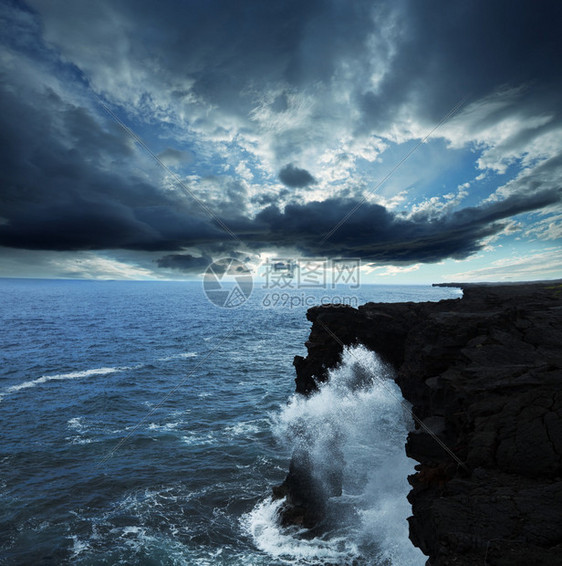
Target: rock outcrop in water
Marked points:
484	375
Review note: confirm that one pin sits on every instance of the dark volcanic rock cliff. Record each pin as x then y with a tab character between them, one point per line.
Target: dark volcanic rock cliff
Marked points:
484	374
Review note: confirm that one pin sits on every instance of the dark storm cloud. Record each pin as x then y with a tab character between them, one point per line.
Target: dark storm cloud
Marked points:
294	177
217	52
57	195
268	198
422	56
375	233
174	157
447	51
71	181
220	43
56	192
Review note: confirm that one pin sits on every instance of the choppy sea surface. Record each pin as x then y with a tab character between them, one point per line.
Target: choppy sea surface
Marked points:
142	424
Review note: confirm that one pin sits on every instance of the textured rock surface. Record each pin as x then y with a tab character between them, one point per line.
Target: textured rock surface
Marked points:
484	373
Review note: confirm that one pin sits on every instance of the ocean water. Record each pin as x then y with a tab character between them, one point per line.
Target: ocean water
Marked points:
142	424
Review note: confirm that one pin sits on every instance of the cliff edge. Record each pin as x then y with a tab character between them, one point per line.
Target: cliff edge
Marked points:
484	377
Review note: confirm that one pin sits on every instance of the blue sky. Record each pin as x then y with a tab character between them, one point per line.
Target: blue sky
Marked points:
145	140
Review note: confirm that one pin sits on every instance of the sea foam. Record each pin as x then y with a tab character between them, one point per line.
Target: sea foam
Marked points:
63	376
354	427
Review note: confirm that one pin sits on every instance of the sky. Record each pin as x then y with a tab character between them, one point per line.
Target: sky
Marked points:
145	140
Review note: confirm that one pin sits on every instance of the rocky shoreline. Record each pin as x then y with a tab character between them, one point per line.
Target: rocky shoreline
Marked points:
484	377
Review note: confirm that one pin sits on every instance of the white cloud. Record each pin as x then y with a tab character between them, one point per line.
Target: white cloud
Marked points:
437	206
545	264
549	228
89	265
244	171
393	270
76	265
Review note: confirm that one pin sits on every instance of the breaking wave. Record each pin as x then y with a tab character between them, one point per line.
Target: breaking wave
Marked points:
354	429
63	376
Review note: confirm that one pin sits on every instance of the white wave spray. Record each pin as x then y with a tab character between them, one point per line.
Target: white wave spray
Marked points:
357	419
64	376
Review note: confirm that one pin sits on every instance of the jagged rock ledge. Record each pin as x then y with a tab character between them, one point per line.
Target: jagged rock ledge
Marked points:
484	373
